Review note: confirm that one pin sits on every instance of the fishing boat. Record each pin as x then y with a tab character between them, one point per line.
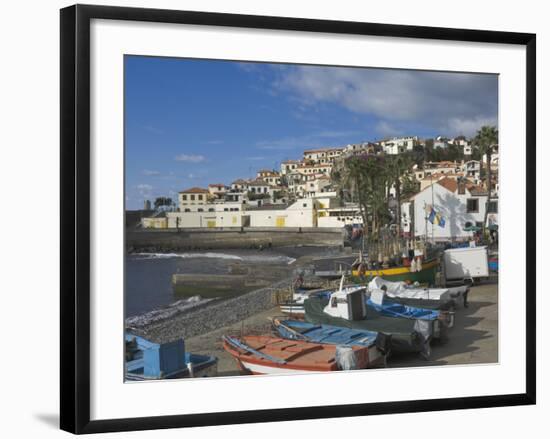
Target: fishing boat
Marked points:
425	274
295	308
445	299
349	308
389	307
146	360
379	344
262	354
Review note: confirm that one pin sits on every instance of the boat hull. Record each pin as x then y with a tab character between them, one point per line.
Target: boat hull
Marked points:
405	336
293	310
379	344
395	274
273	355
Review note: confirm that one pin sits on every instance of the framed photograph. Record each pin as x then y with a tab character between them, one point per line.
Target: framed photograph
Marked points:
275	218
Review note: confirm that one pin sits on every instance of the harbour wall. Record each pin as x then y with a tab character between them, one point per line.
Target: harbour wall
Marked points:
163	240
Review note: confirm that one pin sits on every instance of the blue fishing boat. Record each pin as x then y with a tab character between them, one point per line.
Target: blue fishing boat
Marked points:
146	360
349	308
379	344
387	307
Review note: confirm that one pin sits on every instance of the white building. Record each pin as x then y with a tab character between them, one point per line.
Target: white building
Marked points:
260	187
317	185
399	145
441	142
217	190
322	155
271	177
217	215
472	170
461	205
300	214
239	185
314	169
288	166
193	199
443	167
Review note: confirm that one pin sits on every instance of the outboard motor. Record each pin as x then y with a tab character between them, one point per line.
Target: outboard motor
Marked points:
383	343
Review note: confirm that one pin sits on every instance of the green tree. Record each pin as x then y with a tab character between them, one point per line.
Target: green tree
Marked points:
367	178
163	201
396	168
486	139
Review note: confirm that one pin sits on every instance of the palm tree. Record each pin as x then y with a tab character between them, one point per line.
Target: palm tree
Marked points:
486	138
397	167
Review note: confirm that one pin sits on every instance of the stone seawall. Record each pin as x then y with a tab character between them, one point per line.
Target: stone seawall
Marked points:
165	240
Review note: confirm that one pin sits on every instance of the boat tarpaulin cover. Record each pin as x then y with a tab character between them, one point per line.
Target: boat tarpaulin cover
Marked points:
405	338
427	298
300	330
394	309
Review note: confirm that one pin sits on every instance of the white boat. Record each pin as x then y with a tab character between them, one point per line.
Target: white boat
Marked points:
401	290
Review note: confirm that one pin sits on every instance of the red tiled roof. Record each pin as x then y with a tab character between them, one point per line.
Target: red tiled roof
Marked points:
449	184
194	190
475	189
257	182
216	185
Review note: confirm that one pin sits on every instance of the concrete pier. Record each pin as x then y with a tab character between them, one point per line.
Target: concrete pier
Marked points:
165	240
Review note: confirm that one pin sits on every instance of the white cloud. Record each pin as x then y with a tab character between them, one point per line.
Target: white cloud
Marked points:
469	127
431	99
145	190
190	158
150	173
385	129
322	138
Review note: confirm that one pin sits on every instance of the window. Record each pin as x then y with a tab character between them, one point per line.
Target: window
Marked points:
184	197
225	209
199	197
188	210
305	205
200	209
211	209
492	207
192	198
472	205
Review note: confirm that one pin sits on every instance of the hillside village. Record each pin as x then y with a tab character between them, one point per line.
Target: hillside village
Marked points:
449	190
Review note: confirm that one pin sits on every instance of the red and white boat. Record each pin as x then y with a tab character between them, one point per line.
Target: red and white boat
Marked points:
262	354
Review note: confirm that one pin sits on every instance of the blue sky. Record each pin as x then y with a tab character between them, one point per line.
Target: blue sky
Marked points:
193	122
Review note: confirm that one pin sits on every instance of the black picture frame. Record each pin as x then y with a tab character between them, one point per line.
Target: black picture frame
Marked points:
75	217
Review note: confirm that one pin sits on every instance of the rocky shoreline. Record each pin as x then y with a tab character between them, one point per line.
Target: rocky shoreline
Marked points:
211	316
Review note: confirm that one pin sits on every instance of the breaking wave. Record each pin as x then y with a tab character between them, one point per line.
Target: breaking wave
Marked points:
166	312
187	255
245	258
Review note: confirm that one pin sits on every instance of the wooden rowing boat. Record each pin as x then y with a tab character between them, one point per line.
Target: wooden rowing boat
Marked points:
260	355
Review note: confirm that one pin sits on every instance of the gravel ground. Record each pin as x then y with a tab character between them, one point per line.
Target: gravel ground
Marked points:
473	339
214	316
